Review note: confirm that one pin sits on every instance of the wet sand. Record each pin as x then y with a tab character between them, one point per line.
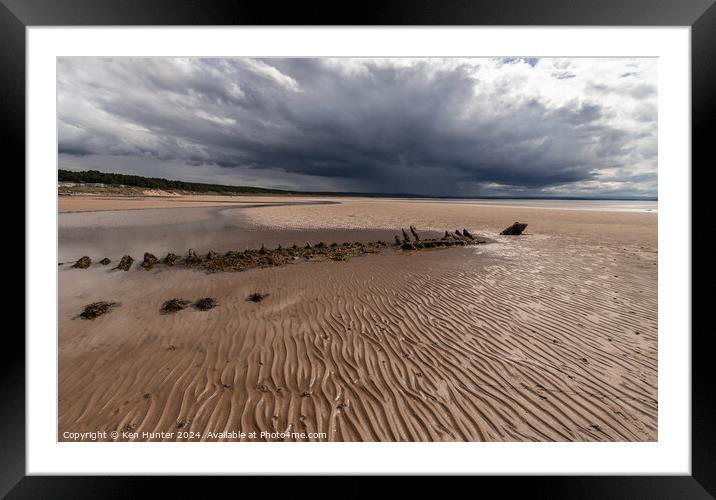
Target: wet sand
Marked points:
78	203
549	336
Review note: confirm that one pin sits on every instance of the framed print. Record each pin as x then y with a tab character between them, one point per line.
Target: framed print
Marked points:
420	241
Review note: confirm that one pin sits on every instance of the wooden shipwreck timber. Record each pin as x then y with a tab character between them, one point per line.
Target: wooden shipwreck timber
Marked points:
272	257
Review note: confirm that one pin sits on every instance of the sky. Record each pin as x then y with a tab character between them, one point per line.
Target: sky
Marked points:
509	126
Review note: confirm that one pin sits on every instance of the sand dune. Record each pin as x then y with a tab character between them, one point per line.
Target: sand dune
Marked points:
551	336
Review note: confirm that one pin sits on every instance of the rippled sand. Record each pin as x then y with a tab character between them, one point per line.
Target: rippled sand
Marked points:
548	336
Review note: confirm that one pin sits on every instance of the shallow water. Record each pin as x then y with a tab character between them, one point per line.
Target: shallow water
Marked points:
119	232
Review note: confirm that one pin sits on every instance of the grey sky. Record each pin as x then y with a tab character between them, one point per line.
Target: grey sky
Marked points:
461	127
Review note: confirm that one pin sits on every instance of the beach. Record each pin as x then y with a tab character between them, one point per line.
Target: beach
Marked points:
546	336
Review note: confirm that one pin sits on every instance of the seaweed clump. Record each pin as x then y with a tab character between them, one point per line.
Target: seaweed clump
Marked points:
97	309
125	263
174	305
149	261
82	263
257	297
205	304
170	259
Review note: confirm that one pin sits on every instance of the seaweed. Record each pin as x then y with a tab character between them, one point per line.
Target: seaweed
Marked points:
205	304
170	259
82	263
256	297
149	261
125	263
97	309
174	305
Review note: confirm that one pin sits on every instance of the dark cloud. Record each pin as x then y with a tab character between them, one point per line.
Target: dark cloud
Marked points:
359	125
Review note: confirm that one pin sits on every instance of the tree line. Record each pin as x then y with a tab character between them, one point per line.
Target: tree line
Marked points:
97	177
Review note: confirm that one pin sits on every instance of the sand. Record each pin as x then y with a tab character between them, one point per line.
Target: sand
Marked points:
549	336
77	203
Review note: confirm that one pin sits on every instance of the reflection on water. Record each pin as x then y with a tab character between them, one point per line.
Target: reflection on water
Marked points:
118	232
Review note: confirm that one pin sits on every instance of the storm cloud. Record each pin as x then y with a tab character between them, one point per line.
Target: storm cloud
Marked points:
460	127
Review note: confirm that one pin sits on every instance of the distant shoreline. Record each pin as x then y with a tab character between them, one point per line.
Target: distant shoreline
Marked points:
91	182
108	202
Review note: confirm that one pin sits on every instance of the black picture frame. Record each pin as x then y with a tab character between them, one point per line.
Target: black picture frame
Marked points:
700	15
